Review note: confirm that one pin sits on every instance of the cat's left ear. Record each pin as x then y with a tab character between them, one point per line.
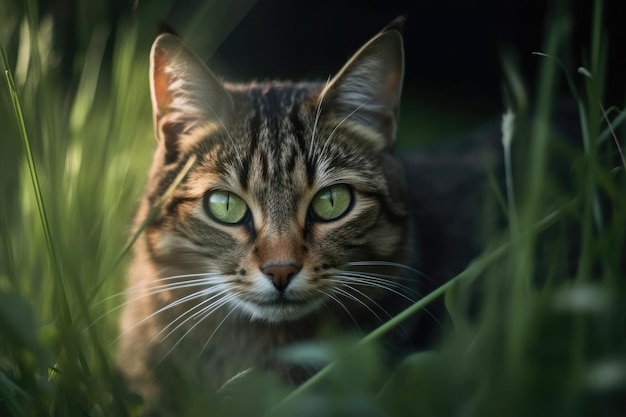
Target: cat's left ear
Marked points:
367	89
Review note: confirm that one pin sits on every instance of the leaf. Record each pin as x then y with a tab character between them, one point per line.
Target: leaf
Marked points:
19	327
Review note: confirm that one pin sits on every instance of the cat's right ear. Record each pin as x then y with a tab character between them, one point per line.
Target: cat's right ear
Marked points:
367	90
185	93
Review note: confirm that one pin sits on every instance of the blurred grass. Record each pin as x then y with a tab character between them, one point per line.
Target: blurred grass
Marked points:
548	338
84	145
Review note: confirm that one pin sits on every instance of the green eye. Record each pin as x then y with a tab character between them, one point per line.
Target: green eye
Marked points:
225	207
332	202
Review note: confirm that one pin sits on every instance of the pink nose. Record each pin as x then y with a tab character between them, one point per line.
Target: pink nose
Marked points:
280	275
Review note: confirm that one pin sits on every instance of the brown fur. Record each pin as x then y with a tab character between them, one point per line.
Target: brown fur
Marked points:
281	275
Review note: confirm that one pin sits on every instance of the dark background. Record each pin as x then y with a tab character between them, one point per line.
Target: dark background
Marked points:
454	48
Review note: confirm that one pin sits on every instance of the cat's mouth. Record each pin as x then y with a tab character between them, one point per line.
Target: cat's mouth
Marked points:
282	302
281	309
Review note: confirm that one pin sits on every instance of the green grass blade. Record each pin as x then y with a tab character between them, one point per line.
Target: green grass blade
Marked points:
612	125
15	99
538	149
124	252
508	128
477	267
614	136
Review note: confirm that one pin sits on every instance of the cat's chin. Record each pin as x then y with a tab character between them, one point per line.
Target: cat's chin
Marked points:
280	311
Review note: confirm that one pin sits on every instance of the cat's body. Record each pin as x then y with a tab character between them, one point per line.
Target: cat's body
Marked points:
280	212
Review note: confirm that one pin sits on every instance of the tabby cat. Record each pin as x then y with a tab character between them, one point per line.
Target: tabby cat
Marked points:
274	210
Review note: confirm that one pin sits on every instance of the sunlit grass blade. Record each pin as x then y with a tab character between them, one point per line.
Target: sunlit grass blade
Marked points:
35	186
508	129
153	211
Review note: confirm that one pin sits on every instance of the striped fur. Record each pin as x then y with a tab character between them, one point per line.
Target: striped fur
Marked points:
200	301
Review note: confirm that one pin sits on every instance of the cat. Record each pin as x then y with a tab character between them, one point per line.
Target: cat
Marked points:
288	215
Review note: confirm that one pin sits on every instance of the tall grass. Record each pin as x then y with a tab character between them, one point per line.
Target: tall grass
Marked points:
548	337
72	189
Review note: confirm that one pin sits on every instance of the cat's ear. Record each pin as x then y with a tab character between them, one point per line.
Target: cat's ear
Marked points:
367	89
185	93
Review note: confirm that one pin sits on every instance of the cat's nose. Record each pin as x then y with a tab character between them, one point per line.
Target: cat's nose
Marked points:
280	274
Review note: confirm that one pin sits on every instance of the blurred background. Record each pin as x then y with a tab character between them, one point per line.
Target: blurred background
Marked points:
81	72
454	48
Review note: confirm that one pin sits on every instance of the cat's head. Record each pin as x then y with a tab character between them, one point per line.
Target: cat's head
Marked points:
291	187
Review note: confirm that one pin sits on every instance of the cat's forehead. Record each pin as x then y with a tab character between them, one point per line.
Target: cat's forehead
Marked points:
275	138
274	98
270	133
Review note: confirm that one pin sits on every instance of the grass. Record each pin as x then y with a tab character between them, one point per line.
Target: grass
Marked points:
548	338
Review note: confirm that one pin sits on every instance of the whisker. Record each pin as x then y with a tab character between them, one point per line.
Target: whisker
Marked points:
193	296
210	310
387	263
345	119
371	280
383	284
317	117
178	277
184	319
220	325
154	291
140	286
339	280
353	297
390	279
178	285
335	299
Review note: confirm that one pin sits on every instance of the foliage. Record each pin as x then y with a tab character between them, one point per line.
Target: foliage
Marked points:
548	338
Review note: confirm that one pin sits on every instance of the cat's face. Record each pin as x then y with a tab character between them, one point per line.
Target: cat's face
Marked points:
289	188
